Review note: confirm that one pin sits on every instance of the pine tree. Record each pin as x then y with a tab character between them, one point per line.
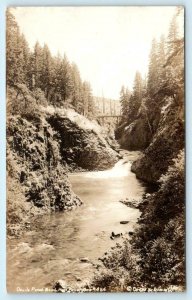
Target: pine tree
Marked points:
172	36
135	98
56	97
11	30
25	61
37	66
14	52
175	43
124	100
138	88
64	79
76	93
91	103
175	61
144	87
50	79
86	95
152	83
45	75
161	60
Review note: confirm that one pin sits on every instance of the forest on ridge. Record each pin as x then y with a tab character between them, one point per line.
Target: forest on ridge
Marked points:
47	79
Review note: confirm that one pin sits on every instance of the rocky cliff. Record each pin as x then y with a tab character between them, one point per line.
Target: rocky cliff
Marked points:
158	130
137	133
167	141
41	149
80	147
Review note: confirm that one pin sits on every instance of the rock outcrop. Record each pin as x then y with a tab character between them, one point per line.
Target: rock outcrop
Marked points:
137	134
81	147
158	130
34	160
165	145
41	149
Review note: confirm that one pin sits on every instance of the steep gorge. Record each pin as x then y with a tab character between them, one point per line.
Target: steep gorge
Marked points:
157	130
154	258
41	150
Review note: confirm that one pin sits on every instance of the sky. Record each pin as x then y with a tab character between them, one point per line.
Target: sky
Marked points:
109	44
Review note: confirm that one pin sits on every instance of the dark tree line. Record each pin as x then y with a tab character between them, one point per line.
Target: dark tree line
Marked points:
165	75
45	76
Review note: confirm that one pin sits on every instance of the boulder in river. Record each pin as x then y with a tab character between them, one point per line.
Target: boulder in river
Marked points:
60	285
132	203
78	278
124	222
84	260
115	235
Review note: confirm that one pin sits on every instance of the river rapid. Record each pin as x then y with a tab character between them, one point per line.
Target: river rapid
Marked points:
67	245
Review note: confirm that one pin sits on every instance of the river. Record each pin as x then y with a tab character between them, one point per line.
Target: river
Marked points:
67	245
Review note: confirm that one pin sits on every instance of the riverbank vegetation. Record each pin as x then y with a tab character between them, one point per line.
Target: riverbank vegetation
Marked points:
154	258
153	120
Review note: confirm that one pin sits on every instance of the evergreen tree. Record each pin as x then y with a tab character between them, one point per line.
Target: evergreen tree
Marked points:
26	61
122	100
45	73
138	88
175	61
161	60
15	56
152	83
56	97
91	104
50	79
144	87
125	95
86	95
172	36
76	93
135	98
64	79
11	30
37	66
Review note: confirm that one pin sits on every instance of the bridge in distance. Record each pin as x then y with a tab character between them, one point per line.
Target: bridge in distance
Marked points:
102	119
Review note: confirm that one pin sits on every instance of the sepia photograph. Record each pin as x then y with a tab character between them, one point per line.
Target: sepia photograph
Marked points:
95	154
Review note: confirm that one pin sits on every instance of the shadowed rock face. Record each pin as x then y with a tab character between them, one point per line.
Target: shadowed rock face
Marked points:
165	145
82	148
136	136
160	134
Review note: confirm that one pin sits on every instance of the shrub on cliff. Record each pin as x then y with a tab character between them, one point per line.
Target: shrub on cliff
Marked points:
167	142
18	209
154	258
160	238
34	162
20	100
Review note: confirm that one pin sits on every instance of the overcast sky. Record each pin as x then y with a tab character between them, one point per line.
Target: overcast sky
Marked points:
109	44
